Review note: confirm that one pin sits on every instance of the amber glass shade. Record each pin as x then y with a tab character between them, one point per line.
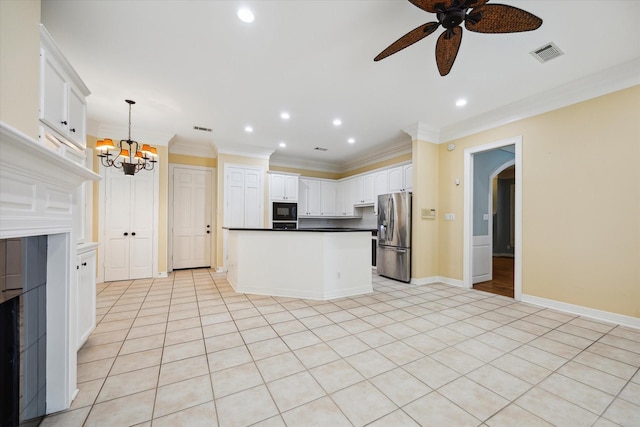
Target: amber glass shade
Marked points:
124	153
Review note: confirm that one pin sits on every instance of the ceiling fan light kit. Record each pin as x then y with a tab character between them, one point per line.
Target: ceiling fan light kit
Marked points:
477	15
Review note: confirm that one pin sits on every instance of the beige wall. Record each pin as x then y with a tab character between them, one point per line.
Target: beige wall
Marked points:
209	162
19	65
581	203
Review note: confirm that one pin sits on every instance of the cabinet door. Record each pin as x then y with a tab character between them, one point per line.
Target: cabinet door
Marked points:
303	197
395	179
313	198
407	177
357	191
277	187
77	117
368	188
234	212
381	186
328	198
86	296
348	199
291	188
53	102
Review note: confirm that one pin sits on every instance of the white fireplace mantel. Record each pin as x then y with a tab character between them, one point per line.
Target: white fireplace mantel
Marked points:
37	197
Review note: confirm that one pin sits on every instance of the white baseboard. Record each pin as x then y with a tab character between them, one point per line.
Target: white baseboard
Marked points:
605	316
437	279
221	270
163	274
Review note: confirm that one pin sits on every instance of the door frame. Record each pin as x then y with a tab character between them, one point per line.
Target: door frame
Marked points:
102	215
172	167
493	175
468	212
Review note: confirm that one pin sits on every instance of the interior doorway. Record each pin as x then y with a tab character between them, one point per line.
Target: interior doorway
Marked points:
480	266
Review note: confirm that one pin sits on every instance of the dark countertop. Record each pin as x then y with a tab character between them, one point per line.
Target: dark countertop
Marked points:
312	230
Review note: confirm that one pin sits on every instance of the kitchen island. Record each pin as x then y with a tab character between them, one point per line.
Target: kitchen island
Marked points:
317	263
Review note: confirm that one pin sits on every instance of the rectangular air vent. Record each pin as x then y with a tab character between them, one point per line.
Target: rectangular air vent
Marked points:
202	129
321	149
547	52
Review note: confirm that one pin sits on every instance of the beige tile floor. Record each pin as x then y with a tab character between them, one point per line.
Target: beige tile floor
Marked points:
189	351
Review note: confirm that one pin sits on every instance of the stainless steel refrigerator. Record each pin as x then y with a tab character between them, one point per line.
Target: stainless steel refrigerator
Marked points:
394	236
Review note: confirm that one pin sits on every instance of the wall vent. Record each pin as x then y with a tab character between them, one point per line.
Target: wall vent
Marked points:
547	52
202	129
321	149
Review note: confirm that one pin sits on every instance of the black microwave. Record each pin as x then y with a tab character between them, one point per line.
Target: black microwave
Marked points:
285	211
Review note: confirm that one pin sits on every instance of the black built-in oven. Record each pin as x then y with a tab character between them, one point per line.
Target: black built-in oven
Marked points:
285	211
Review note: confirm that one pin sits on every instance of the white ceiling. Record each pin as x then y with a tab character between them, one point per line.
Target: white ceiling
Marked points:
190	63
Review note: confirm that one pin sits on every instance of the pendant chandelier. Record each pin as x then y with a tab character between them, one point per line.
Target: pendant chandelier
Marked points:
132	158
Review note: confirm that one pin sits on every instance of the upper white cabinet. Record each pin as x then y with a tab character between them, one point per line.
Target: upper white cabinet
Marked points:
344	201
380	186
283	187
62	94
317	197
401	178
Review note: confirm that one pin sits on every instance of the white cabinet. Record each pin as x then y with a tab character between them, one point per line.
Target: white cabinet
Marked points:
362	189
316	198
327	198
244	195
62	94
380	186
309	198
129	229
401	178
86	292
283	187
344	202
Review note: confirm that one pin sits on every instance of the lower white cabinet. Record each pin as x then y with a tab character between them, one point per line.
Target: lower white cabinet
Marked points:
86	292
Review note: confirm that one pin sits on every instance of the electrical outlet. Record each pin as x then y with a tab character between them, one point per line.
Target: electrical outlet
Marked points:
449	217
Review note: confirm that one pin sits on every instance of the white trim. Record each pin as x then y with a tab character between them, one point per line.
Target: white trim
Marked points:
142	136
423	132
213	240
259	153
207	150
468	211
605	316
162	274
431	280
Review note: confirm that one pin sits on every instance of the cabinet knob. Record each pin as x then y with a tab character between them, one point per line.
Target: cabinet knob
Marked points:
126	234
77	267
133	234
84	264
64	122
208	231
72	130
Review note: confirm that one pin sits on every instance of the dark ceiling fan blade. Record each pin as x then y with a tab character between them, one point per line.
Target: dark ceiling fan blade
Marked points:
447	49
500	18
408	39
430	5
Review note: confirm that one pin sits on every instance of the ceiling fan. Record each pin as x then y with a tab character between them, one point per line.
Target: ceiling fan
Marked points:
477	15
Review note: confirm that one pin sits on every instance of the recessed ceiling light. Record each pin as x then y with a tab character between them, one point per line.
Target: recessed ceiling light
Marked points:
284	115
337	122
248	129
351	141
461	102
245	15
282	144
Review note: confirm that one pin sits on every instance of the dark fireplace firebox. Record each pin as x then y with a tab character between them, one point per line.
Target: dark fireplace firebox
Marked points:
23	331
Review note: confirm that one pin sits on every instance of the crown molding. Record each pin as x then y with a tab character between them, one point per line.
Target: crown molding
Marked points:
607	81
385	153
188	149
423	132
141	135
247	151
299	163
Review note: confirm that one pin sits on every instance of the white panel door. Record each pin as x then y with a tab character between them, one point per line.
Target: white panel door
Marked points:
128	225
234	215
118	206
191	218
481	259
141	228
253	213
313	197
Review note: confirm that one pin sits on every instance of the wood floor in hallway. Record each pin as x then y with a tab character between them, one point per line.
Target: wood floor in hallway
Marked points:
502	283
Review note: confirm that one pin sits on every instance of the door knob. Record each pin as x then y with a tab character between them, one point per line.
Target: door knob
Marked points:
208	226
208	231
126	234
133	234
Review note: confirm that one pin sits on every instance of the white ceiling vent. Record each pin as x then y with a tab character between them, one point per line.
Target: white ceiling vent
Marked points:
547	52
321	149
202	129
